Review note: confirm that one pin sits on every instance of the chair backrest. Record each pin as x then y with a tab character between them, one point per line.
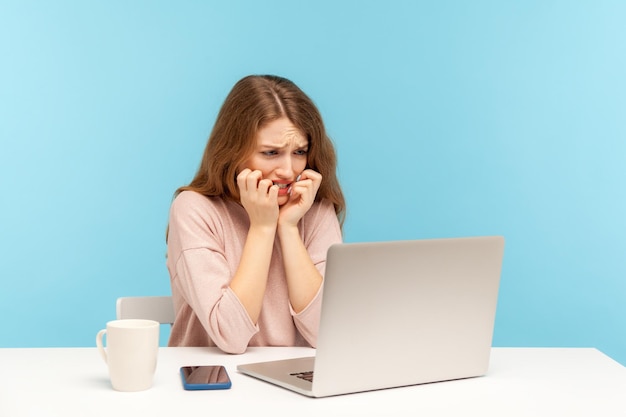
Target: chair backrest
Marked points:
158	308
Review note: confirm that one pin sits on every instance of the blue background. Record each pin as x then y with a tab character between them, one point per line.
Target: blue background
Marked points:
451	118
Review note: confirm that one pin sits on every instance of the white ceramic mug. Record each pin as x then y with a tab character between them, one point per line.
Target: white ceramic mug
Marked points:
131	352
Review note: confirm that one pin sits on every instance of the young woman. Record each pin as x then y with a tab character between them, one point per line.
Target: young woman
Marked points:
248	237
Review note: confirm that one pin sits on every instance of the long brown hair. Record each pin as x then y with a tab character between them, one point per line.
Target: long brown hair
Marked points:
253	102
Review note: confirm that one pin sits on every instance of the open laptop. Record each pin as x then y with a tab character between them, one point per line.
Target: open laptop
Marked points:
398	313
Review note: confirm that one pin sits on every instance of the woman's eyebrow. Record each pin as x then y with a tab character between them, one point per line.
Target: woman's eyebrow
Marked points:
273	146
300	145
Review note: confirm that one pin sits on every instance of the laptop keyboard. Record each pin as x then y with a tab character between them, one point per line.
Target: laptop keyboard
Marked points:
307	376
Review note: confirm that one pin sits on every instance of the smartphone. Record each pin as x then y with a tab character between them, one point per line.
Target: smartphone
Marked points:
205	377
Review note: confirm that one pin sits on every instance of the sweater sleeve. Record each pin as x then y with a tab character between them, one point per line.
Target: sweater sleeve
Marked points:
201	273
321	229
204	284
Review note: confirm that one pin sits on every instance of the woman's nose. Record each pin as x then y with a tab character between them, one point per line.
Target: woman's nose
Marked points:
285	168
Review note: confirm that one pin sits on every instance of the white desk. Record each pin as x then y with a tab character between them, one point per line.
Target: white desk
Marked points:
521	382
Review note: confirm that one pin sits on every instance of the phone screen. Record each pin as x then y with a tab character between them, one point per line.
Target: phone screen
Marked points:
205	377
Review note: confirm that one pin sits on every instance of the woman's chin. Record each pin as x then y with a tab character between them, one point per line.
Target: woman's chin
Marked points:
283	199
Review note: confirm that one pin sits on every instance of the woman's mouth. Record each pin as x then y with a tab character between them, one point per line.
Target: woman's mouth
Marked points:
284	187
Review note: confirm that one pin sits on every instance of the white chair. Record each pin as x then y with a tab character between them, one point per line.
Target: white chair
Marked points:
157	308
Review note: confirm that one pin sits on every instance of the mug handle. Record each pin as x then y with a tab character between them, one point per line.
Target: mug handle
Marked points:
100	346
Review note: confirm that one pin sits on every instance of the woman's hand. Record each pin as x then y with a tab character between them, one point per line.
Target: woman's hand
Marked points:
259	197
303	194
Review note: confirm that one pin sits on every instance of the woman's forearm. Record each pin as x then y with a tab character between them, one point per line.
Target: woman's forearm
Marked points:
250	280
303	278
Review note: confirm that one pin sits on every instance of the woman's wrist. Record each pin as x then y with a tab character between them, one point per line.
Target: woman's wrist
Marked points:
286	230
262	229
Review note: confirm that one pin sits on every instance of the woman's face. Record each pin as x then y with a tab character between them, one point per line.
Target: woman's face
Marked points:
280	154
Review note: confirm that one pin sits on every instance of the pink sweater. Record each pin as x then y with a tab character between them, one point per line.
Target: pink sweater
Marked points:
205	243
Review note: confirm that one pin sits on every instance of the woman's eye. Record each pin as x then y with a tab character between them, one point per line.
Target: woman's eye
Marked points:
301	152
269	153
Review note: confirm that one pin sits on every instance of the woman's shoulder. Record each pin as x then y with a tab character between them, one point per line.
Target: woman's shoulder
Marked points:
323	207
320	212
190	202
321	222
192	211
191	197
194	198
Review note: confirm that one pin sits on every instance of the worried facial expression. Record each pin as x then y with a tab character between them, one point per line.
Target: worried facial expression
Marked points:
280	154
